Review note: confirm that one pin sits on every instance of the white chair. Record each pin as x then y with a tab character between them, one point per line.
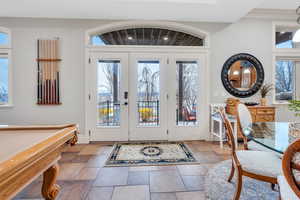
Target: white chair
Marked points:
245	124
289	182
217	128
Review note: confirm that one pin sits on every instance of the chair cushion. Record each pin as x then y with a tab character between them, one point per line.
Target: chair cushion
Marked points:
286	192
296	160
257	147
245	116
260	162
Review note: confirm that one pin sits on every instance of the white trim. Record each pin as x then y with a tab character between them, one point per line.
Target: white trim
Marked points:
274	14
149	49
83	139
5	51
286	24
149	24
281	53
140	48
281	56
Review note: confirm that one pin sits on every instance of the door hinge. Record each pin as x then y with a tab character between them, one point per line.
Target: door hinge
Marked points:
167	96
89	60
167	131
89	96
168	61
89	133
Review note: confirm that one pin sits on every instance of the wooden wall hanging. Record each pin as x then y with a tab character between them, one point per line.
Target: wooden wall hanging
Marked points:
48	72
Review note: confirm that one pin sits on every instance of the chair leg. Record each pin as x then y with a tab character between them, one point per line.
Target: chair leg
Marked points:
231	173
239	185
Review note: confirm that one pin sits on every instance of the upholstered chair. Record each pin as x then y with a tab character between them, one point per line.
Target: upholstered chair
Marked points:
244	119
259	165
289	182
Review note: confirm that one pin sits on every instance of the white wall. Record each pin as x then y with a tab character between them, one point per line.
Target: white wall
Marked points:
248	35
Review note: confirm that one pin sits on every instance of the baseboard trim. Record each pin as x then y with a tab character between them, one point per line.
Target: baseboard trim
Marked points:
83	139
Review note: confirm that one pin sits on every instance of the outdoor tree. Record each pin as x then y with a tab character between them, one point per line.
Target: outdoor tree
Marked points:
3	94
284	77
148	83
187	88
110	82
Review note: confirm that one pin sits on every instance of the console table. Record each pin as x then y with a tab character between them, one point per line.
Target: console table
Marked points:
258	113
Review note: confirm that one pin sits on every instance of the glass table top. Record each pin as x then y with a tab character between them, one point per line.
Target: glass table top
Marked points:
273	135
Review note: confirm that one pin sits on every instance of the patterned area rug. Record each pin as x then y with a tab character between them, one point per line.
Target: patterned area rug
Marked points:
217	187
150	153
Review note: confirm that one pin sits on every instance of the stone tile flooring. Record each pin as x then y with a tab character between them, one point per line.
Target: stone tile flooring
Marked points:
82	176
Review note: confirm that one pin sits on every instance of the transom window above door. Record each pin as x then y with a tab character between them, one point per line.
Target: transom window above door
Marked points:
147	36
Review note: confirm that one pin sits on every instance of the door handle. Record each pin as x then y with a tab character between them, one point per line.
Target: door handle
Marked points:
126	95
125	103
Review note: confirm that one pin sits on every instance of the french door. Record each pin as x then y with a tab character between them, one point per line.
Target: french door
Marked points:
148	103
146	96
107	110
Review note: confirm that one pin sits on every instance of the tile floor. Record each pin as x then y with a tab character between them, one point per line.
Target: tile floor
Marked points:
82	176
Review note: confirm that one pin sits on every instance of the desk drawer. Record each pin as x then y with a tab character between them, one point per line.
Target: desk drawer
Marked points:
266	111
264	118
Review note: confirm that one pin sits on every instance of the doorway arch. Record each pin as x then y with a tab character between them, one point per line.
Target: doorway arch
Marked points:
173	26
128	57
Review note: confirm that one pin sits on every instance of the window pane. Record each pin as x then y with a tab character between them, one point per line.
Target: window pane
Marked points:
3	80
148	93
186	93
96	40
285	80
284	37
108	92
3	38
147	36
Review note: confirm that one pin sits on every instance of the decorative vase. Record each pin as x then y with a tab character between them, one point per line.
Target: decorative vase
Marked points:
294	129
263	101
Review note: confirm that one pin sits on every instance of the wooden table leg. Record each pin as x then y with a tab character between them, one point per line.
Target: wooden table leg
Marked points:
50	189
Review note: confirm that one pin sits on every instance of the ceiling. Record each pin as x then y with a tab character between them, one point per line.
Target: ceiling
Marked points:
181	10
280	4
150	36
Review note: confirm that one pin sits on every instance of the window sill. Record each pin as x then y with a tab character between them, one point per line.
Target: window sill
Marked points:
6	106
281	103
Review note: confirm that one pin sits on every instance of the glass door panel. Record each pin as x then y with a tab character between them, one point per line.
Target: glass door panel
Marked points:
147	84
159	97
187	103
108	106
186	93
148	93
108	92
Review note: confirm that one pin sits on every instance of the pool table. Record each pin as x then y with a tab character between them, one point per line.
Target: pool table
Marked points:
26	152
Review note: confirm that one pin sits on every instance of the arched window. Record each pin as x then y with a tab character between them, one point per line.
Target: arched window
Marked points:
147	36
5	67
147	33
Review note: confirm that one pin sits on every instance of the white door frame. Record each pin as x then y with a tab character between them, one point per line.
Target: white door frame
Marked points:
107	133
136	131
189	132
150	49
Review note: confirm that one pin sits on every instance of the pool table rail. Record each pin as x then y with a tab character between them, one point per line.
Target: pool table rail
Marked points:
25	166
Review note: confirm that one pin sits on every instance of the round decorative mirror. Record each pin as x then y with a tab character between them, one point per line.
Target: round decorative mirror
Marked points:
242	75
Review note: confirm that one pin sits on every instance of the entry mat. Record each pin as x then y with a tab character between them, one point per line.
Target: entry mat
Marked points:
150	153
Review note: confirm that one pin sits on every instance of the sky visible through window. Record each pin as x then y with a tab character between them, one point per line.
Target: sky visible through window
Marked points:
287	44
3	38
96	40
3	80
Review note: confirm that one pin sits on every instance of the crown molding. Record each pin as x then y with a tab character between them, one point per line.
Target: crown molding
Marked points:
272	14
